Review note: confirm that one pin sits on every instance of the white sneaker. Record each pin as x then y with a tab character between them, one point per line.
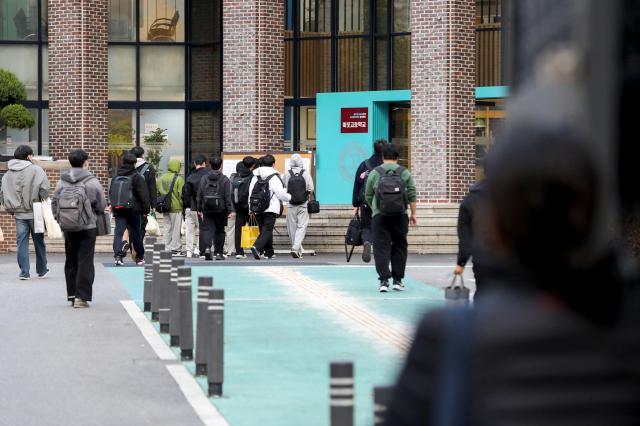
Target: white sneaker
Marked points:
241	256
196	253
398	286
189	254
384	287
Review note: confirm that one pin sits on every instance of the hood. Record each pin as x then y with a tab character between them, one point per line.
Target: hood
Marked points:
296	161
243	170
214	175
17	165
140	162
265	172
74	175
173	166
126	169
376	160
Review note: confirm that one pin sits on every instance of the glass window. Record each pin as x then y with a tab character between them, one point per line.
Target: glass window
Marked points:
353	17
288	15
45	72
308	128
402	62
381	64
121	137
205	20
382	8
288	128
44	21
122	73
401	16
489	115
400	131
315	67
158	151
10	138
162	20
315	18
19	20
205	133
45	132
205	73
122	17
162	73
353	65
288	69
22	60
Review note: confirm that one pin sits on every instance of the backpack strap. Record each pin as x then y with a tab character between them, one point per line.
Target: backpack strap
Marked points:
173	182
381	170
143	169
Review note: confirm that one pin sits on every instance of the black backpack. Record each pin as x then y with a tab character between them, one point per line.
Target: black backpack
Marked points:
121	193
391	194
363	182
240	189
297	187
353	237
261	195
213	197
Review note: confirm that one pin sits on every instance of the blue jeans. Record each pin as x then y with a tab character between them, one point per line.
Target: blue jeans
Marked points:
24	227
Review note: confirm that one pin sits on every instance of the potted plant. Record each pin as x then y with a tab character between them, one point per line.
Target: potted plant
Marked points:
12	113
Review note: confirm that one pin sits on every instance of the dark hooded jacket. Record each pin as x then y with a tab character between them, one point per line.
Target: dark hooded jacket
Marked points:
470	236
93	188
141	203
190	189
226	184
359	182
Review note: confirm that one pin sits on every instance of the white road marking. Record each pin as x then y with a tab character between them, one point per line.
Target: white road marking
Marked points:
148	332
209	415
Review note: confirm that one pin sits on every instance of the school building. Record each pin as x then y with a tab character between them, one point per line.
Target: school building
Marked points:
328	76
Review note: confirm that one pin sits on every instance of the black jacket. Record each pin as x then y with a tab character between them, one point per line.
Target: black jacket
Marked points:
150	179
243	171
190	189
358	184
226	184
470	236
141	203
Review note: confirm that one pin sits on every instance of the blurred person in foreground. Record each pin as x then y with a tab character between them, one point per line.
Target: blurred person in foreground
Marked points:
549	348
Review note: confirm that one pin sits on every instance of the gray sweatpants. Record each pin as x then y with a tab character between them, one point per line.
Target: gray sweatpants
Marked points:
191	221
172	223
297	222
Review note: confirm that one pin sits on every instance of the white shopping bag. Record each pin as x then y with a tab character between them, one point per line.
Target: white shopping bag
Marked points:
53	229
38	219
152	227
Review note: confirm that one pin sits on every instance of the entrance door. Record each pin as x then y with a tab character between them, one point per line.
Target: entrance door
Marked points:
400	130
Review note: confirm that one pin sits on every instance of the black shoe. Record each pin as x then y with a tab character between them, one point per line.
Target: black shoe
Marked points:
219	256
125	247
366	252
207	255
255	253
397	285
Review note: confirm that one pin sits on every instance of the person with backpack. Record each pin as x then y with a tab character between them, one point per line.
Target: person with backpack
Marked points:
240	182
390	190
214	206
129	199
189	195
299	184
76	202
169	203
358	200
23	184
267	194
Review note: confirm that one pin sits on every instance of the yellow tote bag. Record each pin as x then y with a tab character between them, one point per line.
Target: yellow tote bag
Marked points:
250	233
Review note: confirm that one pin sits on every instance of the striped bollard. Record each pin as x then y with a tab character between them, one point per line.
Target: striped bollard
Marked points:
174	306
186	313
215	354
205	285
381	400
148	272
157	249
164	280
341	394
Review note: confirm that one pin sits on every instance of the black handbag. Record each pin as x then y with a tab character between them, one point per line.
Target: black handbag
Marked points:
457	294
353	237
313	206
103	223
163	203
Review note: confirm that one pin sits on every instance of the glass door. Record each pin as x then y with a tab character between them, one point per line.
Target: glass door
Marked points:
400	130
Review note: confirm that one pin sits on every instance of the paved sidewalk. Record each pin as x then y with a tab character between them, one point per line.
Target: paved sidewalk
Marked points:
64	366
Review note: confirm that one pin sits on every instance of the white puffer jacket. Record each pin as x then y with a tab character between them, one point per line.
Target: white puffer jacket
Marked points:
278	193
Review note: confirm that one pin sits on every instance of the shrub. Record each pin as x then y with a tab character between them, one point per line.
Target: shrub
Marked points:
16	116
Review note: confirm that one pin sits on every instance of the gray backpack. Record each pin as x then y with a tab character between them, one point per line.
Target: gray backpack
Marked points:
74	212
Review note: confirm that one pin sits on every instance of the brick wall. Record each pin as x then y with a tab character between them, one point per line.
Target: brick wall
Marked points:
442	105
78	84
253	76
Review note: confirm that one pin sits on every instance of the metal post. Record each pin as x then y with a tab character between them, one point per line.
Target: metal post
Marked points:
157	248
148	272
174	306
186	313
205	285
381	401
341	395
215	358
164	279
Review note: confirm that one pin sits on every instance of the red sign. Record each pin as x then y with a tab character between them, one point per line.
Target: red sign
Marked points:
354	120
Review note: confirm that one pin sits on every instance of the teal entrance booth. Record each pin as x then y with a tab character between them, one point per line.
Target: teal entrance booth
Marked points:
347	124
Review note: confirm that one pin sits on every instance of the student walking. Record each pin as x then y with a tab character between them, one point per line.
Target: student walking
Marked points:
299	184
214	206
390	188
360	203
240	183
189	195
129	199
266	197
170	184
22	185
76	202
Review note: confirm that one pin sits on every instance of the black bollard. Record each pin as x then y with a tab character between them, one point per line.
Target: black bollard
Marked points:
381	400
164	279
205	285
186	313
157	248
174	306
215	353
341	394
148	272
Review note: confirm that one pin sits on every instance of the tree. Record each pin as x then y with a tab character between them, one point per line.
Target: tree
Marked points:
12	113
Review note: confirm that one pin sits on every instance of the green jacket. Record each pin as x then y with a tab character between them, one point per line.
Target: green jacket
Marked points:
372	186
164	183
